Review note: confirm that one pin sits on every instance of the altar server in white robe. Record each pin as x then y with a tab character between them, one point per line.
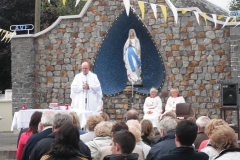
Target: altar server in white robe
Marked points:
153	107
174	99
86	90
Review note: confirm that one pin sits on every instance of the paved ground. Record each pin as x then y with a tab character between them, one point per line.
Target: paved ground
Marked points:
8	145
8	140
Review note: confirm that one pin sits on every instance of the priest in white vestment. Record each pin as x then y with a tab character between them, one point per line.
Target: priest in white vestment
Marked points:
153	107
86	90
174	99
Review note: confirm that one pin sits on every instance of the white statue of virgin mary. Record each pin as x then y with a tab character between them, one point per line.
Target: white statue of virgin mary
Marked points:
132	57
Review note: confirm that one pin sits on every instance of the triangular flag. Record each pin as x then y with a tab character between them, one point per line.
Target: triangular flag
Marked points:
154	8
64	2
214	16
3	32
220	16
4	35
227	19
77	1
164	11
175	14
205	17
8	36
12	34
197	16
237	24
184	11
234	19
127	6
141	5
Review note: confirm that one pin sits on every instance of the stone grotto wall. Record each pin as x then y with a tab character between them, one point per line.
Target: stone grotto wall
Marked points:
196	57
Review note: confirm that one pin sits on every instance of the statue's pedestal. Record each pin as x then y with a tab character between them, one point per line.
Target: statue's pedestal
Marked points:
135	84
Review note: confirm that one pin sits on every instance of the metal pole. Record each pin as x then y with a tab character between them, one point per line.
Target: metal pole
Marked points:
86	108
37	16
132	94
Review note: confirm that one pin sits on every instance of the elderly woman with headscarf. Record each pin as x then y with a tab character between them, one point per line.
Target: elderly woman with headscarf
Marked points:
152	107
132	57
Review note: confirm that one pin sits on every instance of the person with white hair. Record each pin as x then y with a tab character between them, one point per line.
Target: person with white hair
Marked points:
166	143
174	99
201	123
152	107
103	137
135	128
45	128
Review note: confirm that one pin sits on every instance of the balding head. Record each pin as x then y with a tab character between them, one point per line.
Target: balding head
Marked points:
132	114
85	67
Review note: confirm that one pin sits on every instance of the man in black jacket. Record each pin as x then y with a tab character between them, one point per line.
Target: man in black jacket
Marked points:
166	143
123	143
43	146
46	129
186	133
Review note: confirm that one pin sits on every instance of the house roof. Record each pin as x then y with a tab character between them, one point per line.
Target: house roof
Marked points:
203	5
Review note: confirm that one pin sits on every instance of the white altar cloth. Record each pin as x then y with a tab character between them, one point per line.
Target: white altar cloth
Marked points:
22	118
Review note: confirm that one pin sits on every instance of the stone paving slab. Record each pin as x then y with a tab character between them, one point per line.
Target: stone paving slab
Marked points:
8	145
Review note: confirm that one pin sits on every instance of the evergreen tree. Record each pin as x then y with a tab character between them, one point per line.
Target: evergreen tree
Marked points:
14	12
234	5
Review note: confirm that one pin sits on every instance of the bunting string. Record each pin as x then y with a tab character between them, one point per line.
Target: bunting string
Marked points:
6	36
215	17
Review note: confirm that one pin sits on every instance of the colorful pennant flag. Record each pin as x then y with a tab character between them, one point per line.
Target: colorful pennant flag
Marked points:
227	19
5	35
4	31
9	36
214	16
141	5
127	6
164	11
154	8
233	19
220	17
64	2
175	14
205	17
197	16
237	24
184	11
77	1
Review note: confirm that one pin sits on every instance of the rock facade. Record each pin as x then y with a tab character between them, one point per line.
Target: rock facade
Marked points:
196	57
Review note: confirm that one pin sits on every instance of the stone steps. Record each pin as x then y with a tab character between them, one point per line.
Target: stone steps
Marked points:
8	145
8	155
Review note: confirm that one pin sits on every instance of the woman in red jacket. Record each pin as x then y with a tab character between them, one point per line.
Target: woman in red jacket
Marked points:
33	128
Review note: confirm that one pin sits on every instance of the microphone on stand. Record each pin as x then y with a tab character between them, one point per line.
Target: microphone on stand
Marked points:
86	92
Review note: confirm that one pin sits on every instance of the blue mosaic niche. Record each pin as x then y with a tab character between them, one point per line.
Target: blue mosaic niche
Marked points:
110	67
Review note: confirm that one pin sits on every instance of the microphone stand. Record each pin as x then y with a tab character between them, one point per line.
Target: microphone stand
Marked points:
86	94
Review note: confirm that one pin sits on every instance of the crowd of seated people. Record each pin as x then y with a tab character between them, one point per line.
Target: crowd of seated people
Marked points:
58	137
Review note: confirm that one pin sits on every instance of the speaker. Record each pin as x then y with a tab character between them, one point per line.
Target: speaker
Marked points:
230	95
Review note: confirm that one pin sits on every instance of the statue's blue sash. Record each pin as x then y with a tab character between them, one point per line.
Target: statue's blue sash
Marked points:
132	54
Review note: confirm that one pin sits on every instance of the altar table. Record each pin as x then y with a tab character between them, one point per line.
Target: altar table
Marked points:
22	118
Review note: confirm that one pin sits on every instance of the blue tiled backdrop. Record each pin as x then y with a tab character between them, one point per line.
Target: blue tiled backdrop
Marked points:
110	67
